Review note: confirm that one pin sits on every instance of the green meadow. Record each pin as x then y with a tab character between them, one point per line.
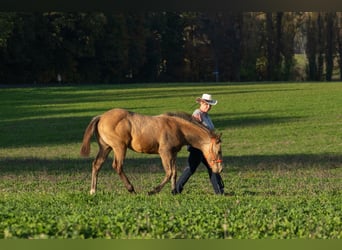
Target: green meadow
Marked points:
282	147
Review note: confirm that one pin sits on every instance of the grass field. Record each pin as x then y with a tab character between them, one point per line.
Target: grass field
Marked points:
282	146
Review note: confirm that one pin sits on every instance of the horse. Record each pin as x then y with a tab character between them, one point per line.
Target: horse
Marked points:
165	134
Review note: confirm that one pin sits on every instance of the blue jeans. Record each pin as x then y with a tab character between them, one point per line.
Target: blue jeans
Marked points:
194	160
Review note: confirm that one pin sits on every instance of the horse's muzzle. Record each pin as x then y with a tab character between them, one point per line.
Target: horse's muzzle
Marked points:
217	167
220	168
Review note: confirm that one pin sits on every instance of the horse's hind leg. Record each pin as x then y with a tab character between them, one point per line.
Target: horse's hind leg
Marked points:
97	164
119	156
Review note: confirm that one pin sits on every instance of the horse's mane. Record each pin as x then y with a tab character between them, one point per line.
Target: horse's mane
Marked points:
188	117
182	115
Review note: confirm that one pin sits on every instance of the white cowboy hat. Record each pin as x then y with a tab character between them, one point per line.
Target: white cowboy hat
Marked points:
207	99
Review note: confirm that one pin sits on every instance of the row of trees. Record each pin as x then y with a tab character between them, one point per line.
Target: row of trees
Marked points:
101	47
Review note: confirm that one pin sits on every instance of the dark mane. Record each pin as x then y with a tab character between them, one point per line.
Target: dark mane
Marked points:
182	115
188	117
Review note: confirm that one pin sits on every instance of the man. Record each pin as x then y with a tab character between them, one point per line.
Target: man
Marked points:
196	156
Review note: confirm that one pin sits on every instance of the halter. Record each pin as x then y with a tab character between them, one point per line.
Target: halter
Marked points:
211	151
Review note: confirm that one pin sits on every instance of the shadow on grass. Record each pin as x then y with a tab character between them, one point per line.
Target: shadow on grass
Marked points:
52	131
251	119
43	132
284	161
152	164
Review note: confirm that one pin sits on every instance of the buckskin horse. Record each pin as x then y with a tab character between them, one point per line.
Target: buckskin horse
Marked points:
165	134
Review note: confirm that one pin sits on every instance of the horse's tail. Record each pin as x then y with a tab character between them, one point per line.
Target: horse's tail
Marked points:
85	149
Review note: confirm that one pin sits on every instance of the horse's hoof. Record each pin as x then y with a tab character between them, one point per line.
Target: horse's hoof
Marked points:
92	192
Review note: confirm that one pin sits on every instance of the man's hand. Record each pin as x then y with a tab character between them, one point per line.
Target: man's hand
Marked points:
198	117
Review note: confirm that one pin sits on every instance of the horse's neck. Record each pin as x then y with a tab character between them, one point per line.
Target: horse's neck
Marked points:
195	135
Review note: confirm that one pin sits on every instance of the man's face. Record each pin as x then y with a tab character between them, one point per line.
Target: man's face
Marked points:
205	107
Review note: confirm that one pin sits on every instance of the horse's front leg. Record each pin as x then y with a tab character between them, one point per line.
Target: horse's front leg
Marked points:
173	179
169	164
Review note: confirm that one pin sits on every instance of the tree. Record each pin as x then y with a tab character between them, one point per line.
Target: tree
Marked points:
137	36
172	46
321	47
167	46
252	49
315	46
224	30
323	35
7	20
17	57
339	40
291	25
276	53
330	44
76	36
7	24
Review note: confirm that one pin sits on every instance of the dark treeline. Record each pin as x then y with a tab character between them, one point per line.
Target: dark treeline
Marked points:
101	47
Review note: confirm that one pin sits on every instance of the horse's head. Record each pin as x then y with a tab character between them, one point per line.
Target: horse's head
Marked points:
214	154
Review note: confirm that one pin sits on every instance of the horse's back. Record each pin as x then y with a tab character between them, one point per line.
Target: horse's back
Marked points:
120	126
117	115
